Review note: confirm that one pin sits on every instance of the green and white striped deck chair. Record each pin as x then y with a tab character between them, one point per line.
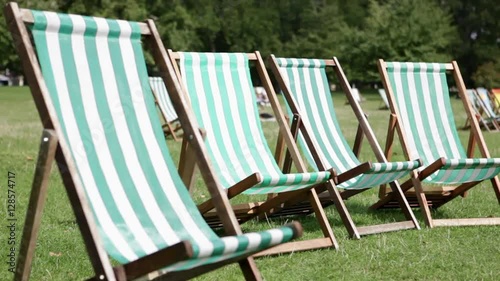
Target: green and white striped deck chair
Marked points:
420	102
89	81
306	88
165	104
220	90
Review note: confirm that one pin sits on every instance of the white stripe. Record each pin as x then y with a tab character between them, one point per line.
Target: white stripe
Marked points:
254	240
230	244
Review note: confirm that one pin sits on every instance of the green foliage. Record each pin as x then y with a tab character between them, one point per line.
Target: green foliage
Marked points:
479	29
358	32
401	30
488	75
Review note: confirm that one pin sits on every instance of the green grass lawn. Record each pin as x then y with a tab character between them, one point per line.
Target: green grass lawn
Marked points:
466	253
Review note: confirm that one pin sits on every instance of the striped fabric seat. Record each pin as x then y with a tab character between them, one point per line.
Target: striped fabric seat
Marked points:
422	98
163	99
309	87
221	93
96	75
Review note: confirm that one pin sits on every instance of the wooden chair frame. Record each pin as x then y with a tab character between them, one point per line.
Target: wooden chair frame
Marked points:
475	139
53	147
364	130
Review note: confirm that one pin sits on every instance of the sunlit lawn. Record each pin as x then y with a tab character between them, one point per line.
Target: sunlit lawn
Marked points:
467	253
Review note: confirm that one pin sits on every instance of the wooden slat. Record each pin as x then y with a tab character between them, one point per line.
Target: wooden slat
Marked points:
467	222
388	227
358	170
298	246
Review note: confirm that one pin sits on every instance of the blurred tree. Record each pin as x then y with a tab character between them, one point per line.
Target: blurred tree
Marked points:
478	51
487	75
318	33
357	31
9	58
399	30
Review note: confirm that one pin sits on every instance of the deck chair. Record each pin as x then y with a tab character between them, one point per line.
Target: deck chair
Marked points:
487	107
421	114
89	81
479	112
166	108
306	90
385	105
221	95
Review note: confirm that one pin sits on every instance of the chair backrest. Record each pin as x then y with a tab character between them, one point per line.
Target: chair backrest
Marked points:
423	100
222	97
95	73
484	100
310	89
163	98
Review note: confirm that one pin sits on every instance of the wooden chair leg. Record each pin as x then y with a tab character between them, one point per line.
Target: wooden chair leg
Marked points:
280	146
470	145
34	212
470	153
342	209
495	182
187	165
422	200
172	131
358	141
287	165
321	217
388	149
249	269
403	203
